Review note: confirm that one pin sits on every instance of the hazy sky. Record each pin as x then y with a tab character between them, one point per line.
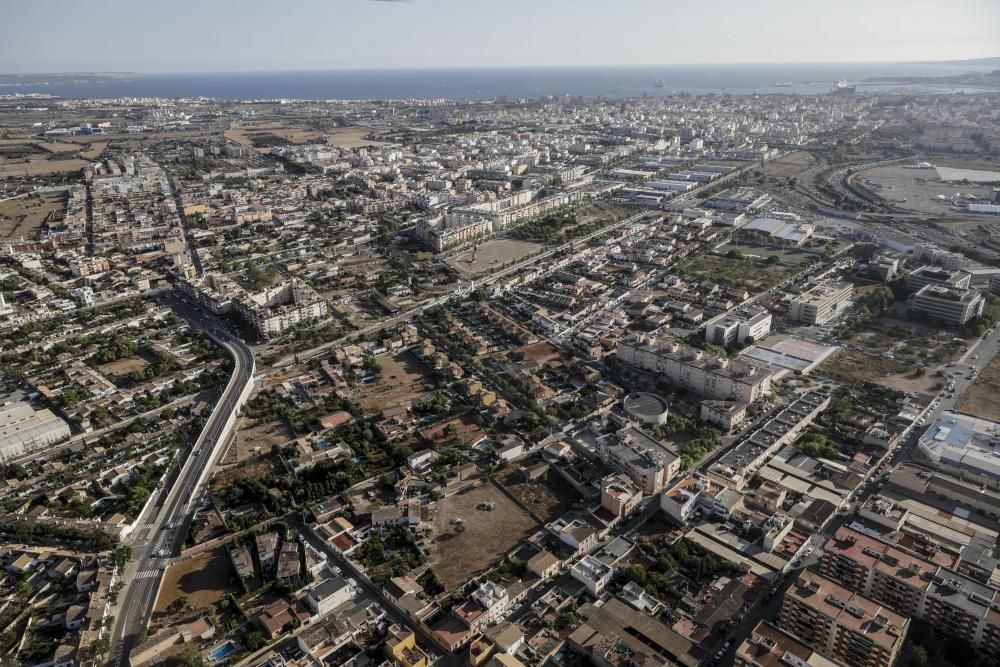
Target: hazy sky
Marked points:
229	35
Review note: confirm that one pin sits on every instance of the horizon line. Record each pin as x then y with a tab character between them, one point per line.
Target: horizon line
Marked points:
522	66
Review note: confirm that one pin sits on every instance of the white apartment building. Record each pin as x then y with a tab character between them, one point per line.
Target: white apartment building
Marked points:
452	229
592	573
702	372
822	303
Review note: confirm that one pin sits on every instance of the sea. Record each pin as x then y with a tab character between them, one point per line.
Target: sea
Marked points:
513	82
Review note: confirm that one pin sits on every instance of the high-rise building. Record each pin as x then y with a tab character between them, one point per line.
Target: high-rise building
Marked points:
842	624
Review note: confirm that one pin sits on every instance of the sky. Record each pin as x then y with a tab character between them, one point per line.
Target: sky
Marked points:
254	35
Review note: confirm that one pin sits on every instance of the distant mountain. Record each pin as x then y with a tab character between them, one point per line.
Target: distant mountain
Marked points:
972	62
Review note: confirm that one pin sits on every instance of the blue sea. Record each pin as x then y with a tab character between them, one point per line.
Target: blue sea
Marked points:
514	82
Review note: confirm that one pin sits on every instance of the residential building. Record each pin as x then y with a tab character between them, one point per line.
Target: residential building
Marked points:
401	646
842	624
619	496
592	573
768	646
645	460
328	595
699	371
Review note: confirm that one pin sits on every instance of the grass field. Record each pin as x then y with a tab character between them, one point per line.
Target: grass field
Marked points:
981	398
203	579
492	255
458	556
24	216
787	257
403	379
353	137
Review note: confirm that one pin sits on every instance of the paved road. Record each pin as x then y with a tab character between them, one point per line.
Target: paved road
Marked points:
351	570
162	531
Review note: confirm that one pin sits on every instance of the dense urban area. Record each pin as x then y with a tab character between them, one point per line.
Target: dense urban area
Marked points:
676	380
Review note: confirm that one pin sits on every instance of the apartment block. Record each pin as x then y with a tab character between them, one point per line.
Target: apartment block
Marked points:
769	646
842	624
954	604
702	372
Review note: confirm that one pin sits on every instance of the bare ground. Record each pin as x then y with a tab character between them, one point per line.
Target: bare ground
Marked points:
458	556
981	398
203	579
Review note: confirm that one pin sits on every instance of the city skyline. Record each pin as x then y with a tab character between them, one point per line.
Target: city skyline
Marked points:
225	36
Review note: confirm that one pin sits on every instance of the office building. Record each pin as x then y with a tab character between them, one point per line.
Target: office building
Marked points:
933	275
948	305
740	327
822	303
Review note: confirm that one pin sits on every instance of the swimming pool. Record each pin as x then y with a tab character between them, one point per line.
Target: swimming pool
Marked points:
222	650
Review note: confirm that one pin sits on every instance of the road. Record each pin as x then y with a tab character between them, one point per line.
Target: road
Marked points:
163	529
351	570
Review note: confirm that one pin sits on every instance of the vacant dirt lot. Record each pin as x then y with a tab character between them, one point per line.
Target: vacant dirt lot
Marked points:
24	216
492	255
256	469
123	366
789	165
254	438
981	398
403	379
540	352
456	557
549	497
203	578
849	366
350	138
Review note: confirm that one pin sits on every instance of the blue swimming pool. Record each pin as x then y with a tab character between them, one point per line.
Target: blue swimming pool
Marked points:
222	650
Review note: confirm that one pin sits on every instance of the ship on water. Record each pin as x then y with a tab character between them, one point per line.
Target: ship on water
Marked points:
659	84
843	83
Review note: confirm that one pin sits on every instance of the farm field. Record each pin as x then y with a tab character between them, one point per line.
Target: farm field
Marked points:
42	167
24	216
458	556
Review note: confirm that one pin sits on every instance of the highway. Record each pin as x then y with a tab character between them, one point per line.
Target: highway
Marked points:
161	531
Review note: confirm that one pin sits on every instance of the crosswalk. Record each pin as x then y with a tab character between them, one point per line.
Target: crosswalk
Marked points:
148	574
